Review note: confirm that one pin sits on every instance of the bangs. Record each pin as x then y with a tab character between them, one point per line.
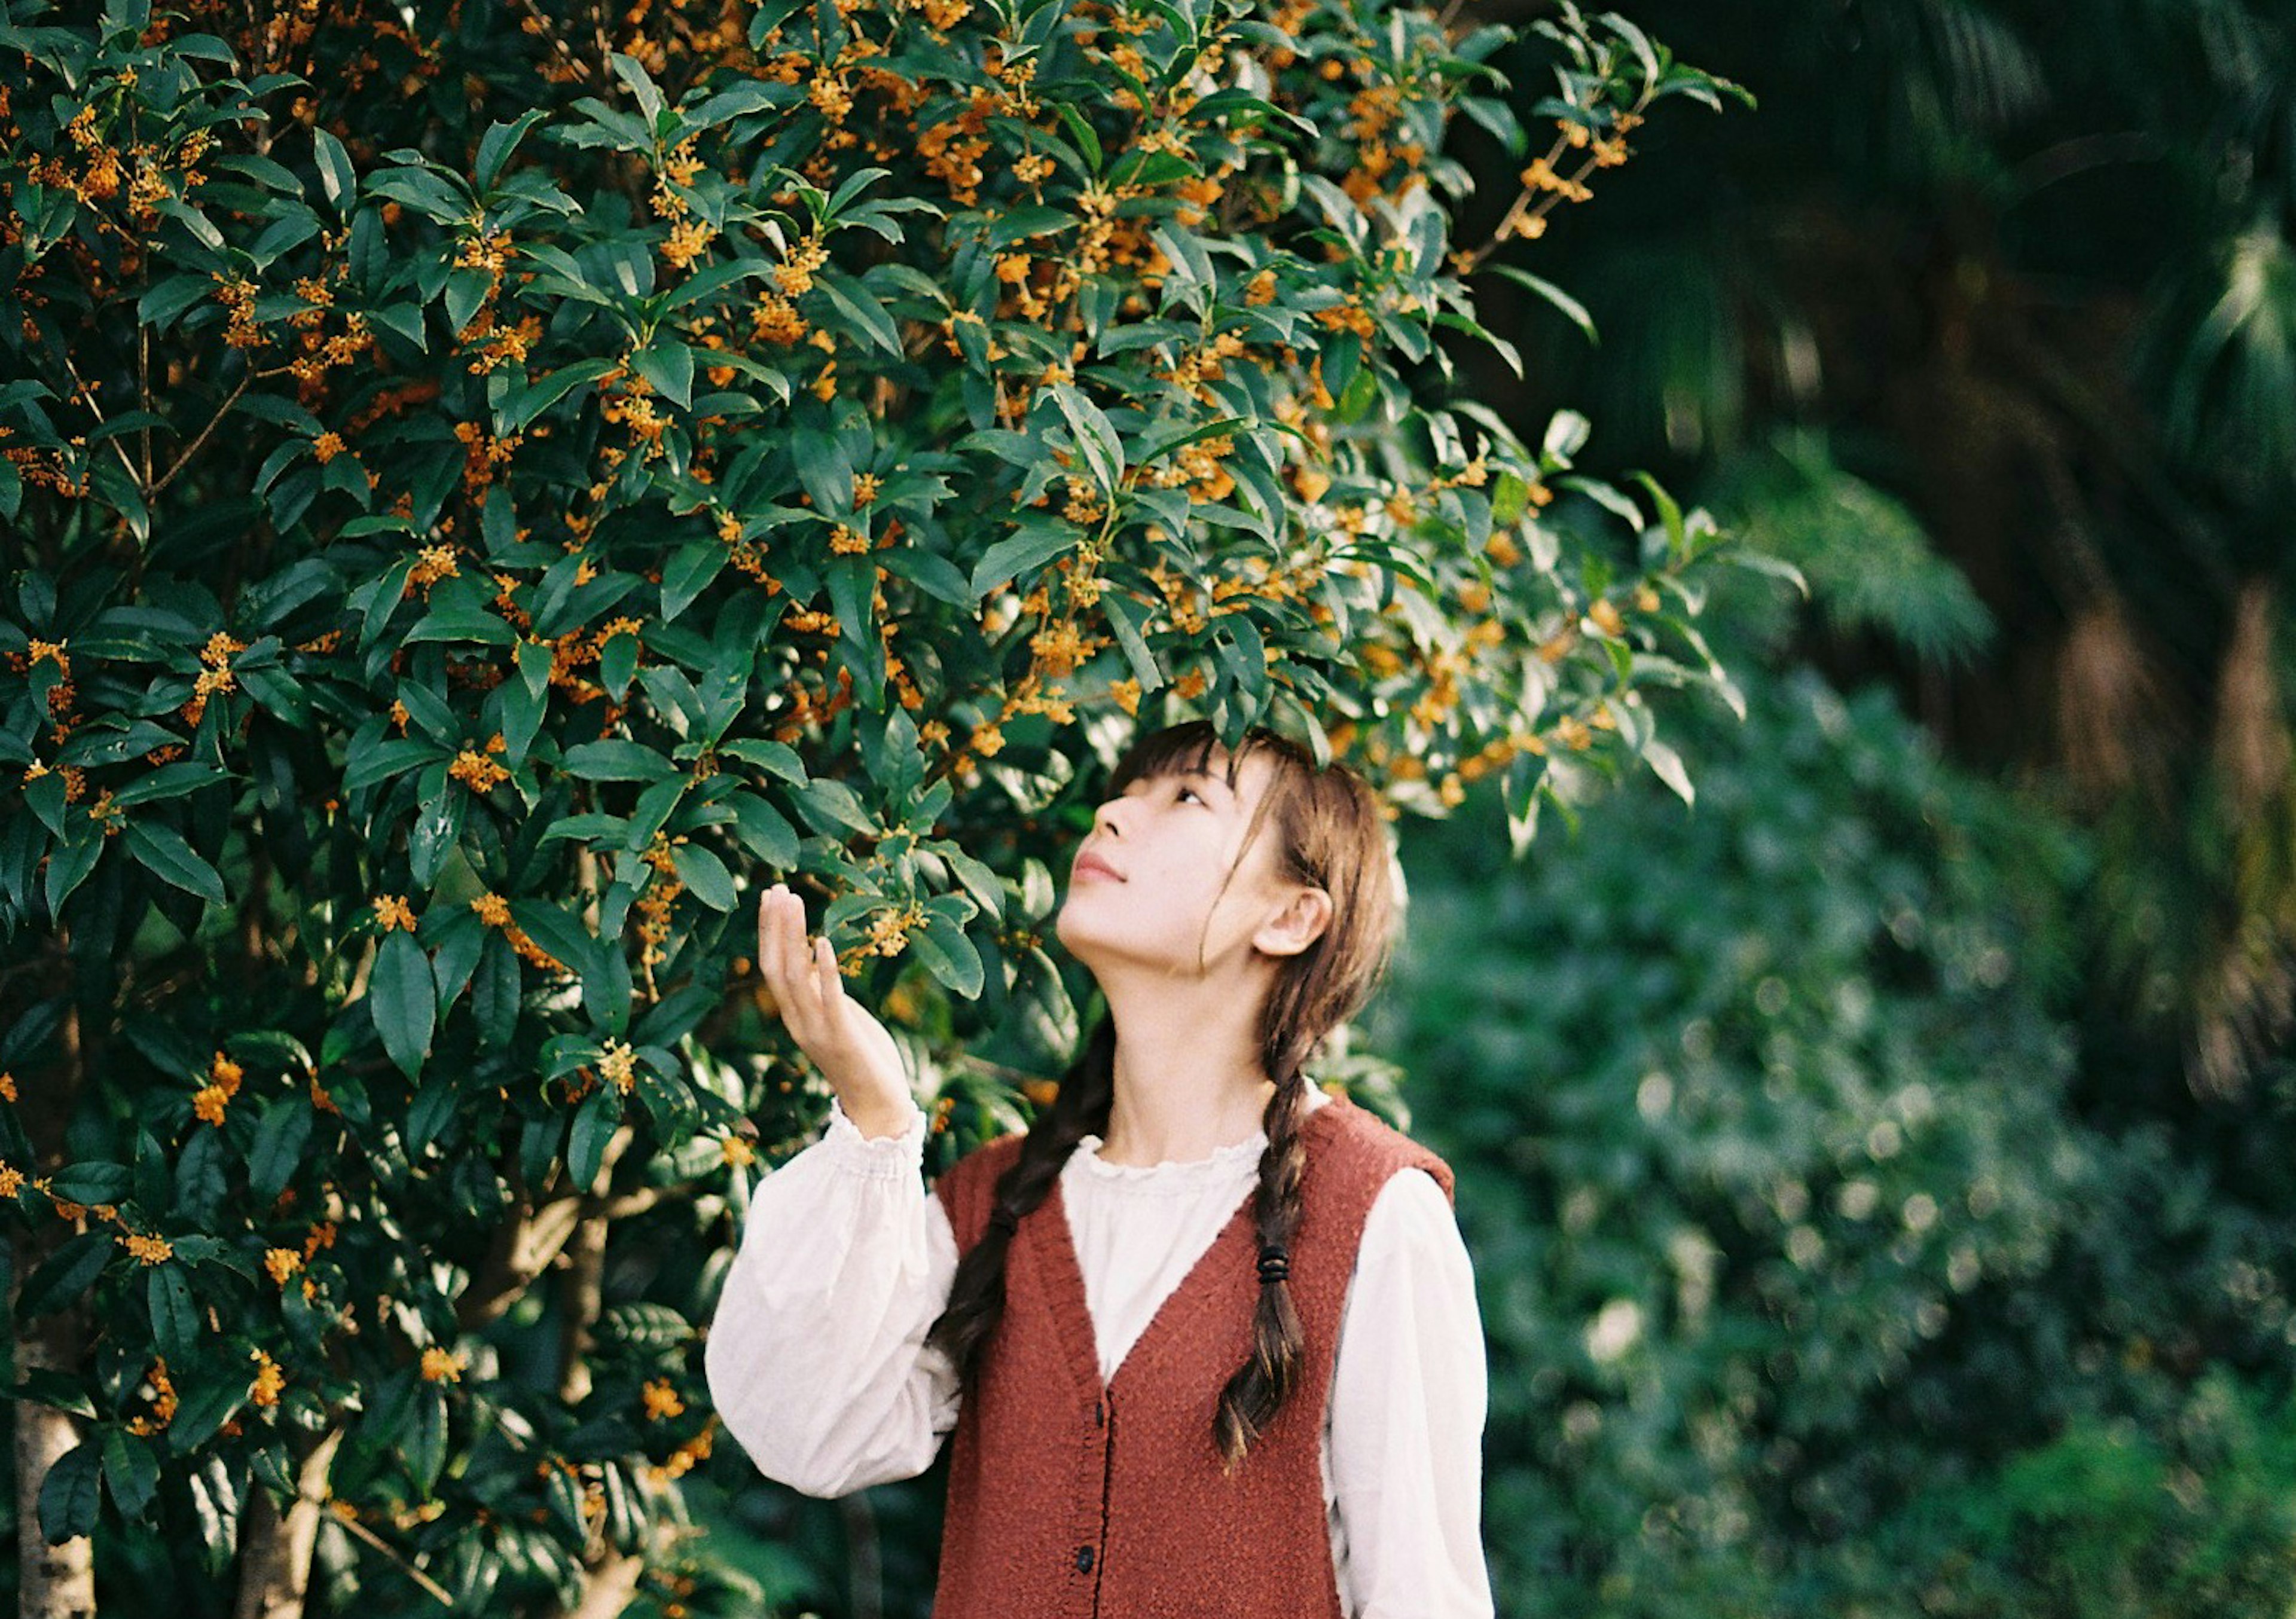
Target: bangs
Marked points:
1187	747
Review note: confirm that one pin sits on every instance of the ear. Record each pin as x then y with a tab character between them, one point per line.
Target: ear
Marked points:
1301	921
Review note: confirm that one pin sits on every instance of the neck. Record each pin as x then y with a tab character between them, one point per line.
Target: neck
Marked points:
1188	1078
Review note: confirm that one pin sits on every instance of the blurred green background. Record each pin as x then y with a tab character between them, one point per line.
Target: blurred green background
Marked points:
1882	1176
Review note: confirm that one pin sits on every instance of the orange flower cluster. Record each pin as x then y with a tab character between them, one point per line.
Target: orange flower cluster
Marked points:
433	563
626	399
494	911
682	1459
214	1098
776	320
163	1403
478	770
215	678
268	1379
151	1250
61	694
442	1365
653	906
483	456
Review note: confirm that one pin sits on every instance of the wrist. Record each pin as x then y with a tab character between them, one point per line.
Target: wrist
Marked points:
878	1121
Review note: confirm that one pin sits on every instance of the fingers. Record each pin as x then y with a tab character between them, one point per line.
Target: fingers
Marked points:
795	968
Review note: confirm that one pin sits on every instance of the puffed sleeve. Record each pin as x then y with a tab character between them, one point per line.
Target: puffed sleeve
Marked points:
1408	1399
815	1357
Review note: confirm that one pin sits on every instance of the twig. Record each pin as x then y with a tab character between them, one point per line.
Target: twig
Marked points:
95	410
1517	214
206	433
542	24
446	1597
143	392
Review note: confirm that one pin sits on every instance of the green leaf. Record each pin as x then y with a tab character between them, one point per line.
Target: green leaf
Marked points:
594	1123
175	1318
687	574
1669	511
1095	436
764	831
131	1471
425	1452
163	851
499	141
94	1181
542	394
69	1495
705	876
495	990
68	866
616	760
617	659
206	1407
404	997
668	365
1035	544
430	1114
65	1275
466	290
280	1137
1668	765
862	311
336	176
562	936
59	1391
949	956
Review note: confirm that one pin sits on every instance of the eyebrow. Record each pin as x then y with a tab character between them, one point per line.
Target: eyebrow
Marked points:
1195	776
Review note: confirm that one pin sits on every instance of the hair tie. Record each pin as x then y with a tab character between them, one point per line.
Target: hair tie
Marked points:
1274	1264
1004	1220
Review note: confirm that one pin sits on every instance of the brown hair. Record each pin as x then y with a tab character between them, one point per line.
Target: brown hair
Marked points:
1331	834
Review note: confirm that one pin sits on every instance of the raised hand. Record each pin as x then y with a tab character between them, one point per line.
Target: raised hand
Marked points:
854	1051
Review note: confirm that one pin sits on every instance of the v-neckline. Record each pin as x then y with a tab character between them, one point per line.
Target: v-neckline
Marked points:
1076	1324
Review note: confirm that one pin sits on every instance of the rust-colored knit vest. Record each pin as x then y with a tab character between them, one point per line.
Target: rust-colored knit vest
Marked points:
1066	1498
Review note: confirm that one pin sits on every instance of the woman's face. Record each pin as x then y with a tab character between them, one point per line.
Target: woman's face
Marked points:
1170	840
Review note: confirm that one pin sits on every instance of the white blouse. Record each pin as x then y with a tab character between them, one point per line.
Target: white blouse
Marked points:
817	1364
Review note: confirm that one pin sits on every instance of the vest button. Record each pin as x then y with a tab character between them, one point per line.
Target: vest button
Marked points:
1083	1560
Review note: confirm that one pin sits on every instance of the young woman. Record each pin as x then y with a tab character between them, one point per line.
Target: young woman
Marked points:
1206	1335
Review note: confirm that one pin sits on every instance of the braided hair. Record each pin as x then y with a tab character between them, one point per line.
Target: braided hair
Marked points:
1331	834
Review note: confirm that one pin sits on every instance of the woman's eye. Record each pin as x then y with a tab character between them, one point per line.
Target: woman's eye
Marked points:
1189	792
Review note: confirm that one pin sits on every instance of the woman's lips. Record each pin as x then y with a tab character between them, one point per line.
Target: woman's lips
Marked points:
1091	866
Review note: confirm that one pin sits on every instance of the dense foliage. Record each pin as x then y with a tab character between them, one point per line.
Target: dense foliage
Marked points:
480	491
1809	1287
2008	288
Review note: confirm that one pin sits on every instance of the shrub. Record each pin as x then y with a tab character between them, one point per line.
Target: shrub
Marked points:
476	496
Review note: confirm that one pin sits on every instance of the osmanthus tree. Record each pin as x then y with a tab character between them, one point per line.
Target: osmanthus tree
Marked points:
485	487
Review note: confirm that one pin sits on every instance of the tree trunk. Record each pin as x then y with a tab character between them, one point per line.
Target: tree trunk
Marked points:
53	1581
581	1294
274	1551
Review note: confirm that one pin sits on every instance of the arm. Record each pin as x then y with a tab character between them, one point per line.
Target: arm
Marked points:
815	1357
1409	1395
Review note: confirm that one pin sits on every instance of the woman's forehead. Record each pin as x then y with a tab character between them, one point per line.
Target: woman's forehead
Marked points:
1215	767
